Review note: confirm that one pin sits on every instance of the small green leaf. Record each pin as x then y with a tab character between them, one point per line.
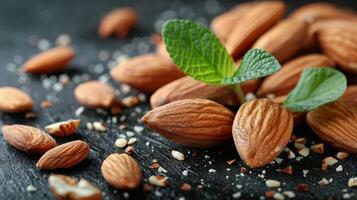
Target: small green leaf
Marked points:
256	63
317	86
197	51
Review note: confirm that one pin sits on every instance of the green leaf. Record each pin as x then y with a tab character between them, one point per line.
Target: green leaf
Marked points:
317	86
256	63
197	51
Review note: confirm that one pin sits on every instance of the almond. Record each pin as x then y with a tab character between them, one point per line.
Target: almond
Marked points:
350	96
146	72
95	94
13	100
64	128
340	44
189	88
121	171
65	187
335	123
261	130
299	117
27	138
118	22
223	24
257	21
192	122
161	50
64	156
283	81
49	61
284	40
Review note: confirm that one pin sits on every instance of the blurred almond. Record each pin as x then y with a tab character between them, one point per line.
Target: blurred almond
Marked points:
64	156
350	96
95	94
68	188
261	130
284	40
283	81
49	61
121	171
146	72
335	123
119	22
64	128
161	50
27	138
192	122
13	100
255	23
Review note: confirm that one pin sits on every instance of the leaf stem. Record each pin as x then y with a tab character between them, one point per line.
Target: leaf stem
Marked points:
239	92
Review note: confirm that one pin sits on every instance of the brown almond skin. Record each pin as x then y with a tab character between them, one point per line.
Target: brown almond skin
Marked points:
223	24
161	50
27	138
49	61
261	130
64	156
64	128
335	123
197	123
283	40
121	171
299	117
340	44
119	22
146	72
350	96
95	94
255	23
283	81
13	100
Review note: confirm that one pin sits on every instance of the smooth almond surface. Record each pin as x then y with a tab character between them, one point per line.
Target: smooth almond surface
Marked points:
335	123
64	128
255	23
192	122
95	94
118	22
146	72
284	40
283	81
13	100
64	156
49	61
261	130
27	138
121	171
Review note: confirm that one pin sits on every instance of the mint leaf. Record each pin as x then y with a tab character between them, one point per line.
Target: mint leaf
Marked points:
197	51
256	63
317	86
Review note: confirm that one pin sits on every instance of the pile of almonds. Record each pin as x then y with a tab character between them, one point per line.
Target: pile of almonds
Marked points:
191	113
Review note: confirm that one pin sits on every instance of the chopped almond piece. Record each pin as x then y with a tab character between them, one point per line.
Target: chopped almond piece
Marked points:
342	155
318	148
186	187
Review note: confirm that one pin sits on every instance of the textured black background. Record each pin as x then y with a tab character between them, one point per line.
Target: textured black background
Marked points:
79	19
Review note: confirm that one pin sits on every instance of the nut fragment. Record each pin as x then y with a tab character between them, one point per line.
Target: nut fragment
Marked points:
352	182
272	183
13	100
64	128
342	155
65	187
177	155
318	148
160	181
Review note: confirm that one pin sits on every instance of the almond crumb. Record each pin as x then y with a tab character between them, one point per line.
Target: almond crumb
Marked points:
46	104
302	187
342	155
272	183
287	170
186	187
129	150
230	162
160	181
177	155
352	182
120	142
318	148
304	151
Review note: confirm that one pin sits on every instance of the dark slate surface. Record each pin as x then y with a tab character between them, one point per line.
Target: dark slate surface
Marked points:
22	20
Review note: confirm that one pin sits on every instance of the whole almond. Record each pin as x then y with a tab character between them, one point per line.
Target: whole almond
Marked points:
299	117
13	100
283	81
257	21
284	40
261	130
335	123
27	138
65	187
118	22
121	171
192	122
146	72
64	156
340	43
223	24
49	61
64	128
95	94
350	96
189	88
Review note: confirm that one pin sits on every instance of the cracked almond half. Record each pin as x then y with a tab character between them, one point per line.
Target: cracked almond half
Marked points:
63	129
